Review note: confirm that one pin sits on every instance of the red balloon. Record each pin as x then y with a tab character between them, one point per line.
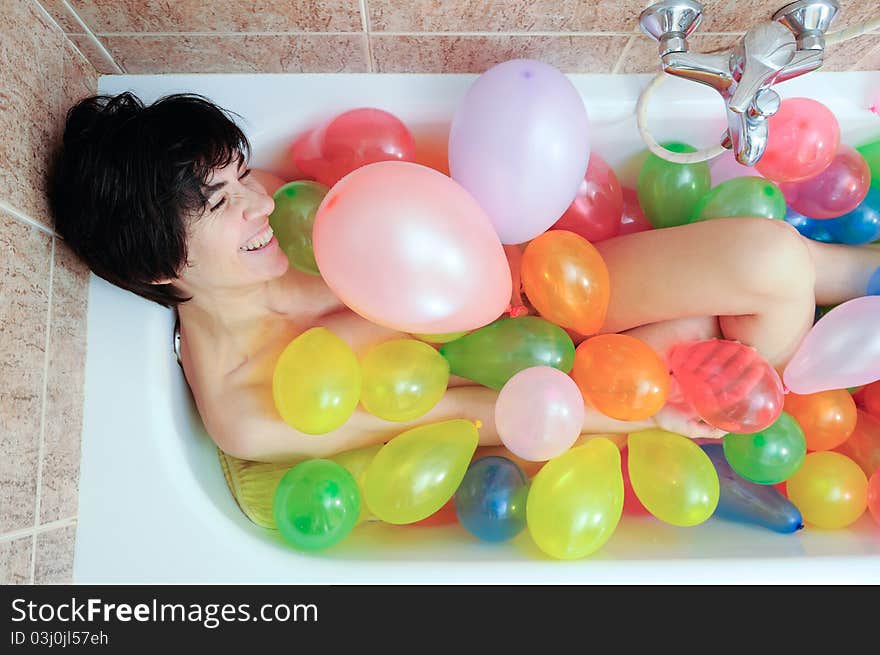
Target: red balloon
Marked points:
596	210
835	191
631	503
802	140
729	384
633	218
868	398
351	140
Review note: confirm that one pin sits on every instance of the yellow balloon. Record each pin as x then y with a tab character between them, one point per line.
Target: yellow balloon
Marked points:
317	382
414	474
402	379
673	477
356	462
440	338
829	489
575	500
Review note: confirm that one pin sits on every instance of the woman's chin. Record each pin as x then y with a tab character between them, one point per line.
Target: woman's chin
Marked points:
269	262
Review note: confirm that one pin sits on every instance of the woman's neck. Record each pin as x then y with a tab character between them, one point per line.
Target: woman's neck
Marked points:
228	311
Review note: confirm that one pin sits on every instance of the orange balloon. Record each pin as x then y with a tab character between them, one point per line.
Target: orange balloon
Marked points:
863	445
566	280
827	417
621	376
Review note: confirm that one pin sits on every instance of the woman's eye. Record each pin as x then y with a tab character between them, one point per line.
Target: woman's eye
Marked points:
247	172
217	206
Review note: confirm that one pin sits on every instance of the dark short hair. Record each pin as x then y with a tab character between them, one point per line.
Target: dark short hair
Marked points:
129	178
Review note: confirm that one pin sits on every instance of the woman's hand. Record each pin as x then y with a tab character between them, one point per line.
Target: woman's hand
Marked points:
678	416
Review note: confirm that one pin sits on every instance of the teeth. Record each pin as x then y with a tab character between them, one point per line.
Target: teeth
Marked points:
259	241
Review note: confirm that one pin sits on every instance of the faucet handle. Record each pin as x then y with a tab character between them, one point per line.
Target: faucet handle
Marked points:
670	22
808	20
761	55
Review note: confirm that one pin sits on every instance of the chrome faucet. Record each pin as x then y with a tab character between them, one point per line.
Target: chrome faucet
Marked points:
790	44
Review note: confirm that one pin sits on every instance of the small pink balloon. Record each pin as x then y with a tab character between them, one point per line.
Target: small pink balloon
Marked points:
802	139
596	211
841	350
729	385
835	191
406	247
725	167
633	218
539	413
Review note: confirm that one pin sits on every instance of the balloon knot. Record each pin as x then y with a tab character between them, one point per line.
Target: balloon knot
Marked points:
478	424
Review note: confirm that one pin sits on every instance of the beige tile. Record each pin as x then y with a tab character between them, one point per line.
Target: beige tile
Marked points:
504	15
871	60
64	387
62	15
30	74
844	56
15	561
98	57
104	16
53	559
305	53
80	78
740	15
642	55
25	252
474	54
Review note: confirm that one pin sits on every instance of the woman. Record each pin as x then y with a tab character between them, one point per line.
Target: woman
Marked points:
158	200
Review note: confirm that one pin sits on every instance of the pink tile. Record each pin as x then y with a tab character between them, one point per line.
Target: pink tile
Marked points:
104	16
53	559
30	75
305	53
62	15
740	15
15	561
474	54
98	57
504	15
25	252
64	387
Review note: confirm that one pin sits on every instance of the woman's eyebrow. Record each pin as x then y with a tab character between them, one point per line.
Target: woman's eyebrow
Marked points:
208	189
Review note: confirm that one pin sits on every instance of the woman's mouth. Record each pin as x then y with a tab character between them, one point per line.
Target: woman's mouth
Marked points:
259	241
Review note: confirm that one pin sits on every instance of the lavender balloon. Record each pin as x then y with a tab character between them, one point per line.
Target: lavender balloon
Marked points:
539	413
519	144
841	350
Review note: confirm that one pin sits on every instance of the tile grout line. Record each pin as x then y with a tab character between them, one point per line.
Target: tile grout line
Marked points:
370	31
12	535
89	33
24	218
365	23
52	20
626	48
868	53
41	448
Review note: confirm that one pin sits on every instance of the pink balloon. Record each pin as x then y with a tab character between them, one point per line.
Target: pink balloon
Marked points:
596	211
633	218
835	191
519	144
726	167
539	413
803	137
406	247
729	385
841	350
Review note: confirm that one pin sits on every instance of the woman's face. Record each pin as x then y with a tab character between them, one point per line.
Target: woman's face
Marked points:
232	245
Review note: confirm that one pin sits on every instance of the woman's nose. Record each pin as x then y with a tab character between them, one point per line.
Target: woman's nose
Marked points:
259	205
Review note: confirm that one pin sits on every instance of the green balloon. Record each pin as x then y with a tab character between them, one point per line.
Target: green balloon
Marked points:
668	193
871	153
495	353
769	456
741	196
316	504
296	204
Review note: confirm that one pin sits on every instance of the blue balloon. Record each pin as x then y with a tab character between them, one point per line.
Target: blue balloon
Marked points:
491	499
874	284
861	225
746	502
812	228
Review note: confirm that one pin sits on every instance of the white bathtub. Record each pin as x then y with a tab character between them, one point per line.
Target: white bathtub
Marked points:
153	503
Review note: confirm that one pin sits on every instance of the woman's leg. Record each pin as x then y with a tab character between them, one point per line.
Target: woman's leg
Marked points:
842	272
756	275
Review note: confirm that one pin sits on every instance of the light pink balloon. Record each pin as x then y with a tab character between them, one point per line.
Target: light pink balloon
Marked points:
842	349
539	413
519	142
406	247
725	167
